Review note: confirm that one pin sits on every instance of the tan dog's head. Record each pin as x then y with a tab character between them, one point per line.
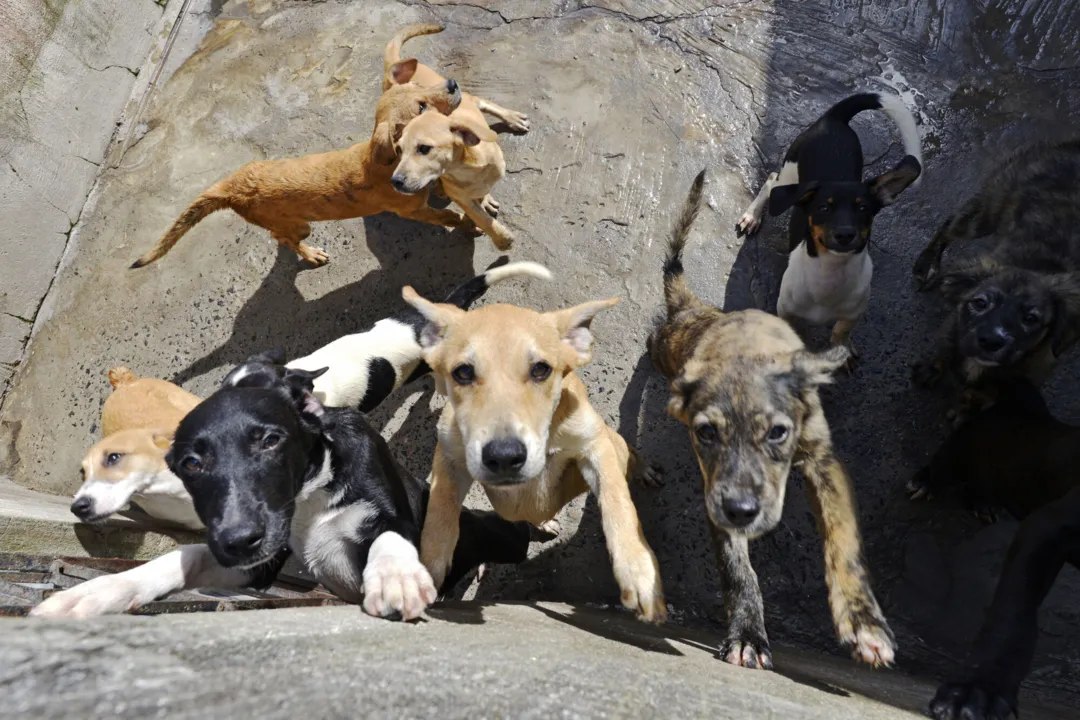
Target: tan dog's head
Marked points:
403	102
747	417
431	144
117	467
502	368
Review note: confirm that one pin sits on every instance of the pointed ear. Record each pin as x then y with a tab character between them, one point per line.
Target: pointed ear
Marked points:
439	316
472	132
682	390
382	144
813	369
783	197
402	72
888	186
162	439
273	356
304	379
573	326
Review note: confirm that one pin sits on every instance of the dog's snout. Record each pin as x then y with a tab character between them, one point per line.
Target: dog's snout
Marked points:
83	508
993	340
504	456
844	236
451	86
242	541
398	182
741	511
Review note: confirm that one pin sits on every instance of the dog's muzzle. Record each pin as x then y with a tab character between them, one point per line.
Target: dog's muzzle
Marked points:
401	184
83	508
503	460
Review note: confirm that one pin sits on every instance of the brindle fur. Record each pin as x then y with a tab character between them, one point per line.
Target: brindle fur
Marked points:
744	374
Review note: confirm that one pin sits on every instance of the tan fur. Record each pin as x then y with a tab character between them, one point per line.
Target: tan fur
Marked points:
143	403
571	448
286	196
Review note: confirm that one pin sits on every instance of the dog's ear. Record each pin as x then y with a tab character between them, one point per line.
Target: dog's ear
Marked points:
402	72
384	143
783	197
304	379
682	391
162	439
273	356
888	186
472	132
812	369
439	316
958	283
573	326
1065	290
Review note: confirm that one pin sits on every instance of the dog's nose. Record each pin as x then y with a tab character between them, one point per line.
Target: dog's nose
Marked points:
504	456
741	511
398	182
844	236
992	341
242	541
83	507
451	86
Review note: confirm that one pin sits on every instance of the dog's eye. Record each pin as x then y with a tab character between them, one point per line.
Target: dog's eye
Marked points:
823	209
540	371
464	374
979	303
271	441
423	149
191	464
1031	317
423	106
112	458
777	434
706	434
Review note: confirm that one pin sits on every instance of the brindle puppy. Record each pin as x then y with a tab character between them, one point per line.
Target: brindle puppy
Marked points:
1016	307
748	390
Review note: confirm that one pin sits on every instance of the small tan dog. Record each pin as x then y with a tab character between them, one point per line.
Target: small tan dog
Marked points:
138	421
461	153
518	420
286	196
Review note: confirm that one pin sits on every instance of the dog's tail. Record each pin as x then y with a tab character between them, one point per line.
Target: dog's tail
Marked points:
677	293
205	204
120	376
892	106
467	293
392	54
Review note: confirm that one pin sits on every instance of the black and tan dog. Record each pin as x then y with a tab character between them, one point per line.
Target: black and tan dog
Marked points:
748	390
1015	456
1016	307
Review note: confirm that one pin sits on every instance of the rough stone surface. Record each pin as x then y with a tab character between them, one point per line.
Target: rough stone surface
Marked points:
628	101
577	662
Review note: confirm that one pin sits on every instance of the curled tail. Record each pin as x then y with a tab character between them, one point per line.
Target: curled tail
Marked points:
676	293
119	376
392	54
196	211
892	106
467	293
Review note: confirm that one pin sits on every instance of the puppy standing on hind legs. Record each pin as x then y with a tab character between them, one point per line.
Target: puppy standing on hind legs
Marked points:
829	269
748	390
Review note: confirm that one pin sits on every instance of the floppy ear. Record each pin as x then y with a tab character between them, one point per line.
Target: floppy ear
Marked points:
954	285
813	369
1065	289
573	326
162	439
783	197
888	186
402	72
682	390
439	316
274	356
472	132
382	144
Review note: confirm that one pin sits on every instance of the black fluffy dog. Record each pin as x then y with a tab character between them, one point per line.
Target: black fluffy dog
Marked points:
272	472
1016	456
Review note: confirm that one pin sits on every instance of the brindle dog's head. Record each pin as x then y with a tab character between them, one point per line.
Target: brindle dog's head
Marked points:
747	419
402	102
1004	314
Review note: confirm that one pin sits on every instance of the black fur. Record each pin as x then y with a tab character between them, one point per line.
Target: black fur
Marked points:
381	381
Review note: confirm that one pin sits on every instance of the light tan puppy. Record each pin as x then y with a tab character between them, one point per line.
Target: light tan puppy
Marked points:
138	421
518	420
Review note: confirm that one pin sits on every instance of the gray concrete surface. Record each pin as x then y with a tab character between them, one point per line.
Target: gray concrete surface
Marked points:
465	661
628	101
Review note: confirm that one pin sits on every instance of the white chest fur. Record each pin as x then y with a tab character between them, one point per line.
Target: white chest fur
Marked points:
825	288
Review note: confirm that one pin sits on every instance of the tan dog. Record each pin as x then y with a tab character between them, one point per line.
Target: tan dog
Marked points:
518	420
285	196
747	389
138	421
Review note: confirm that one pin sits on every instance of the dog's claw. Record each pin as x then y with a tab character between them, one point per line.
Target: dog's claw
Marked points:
972	701
397	585
925	270
639	582
748	224
870	639
650	475
551	527
518	122
314	255
753	653
490	205
918	487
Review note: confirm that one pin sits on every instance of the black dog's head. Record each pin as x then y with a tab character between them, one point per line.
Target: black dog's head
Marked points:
243	454
1004	314
840	214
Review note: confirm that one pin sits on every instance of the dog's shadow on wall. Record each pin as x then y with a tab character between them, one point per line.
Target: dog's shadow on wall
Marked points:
431	258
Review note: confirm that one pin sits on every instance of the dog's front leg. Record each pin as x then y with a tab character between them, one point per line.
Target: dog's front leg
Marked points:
856	614
442	521
443	217
499	233
1046	540
516	121
747	644
841	335
191	566
636	570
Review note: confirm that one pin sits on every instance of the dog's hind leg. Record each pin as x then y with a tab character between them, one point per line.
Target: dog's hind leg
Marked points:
858	618
293	238
1001	658
516	121
747	644
974	220
751	219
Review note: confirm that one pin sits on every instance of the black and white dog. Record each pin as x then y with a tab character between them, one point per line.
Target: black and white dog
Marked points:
273	472
827	280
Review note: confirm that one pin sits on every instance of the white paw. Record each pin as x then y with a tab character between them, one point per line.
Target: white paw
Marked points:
639	580
551	527
518	122
105	595
748	224
394	584
490	205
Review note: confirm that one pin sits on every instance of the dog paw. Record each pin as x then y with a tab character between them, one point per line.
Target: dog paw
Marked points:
926	373
502	237
552	527
651	475
394	584
957	415
748	224
641	591
972	701
925	270
870	639
490	205
314	255
516	121
746	649
105	595
918	487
